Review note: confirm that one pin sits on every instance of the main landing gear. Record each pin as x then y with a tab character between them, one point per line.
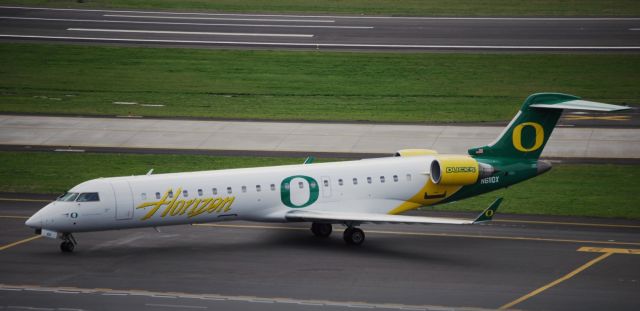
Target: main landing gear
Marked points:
351	235
68	243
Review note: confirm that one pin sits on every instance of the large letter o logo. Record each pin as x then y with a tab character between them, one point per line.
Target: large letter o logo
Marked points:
517	136
285	191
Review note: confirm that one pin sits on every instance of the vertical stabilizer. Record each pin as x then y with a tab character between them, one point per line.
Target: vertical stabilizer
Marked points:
528	132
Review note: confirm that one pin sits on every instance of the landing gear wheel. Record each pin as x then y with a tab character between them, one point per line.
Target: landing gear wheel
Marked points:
67	246
353	236
321	230
68	243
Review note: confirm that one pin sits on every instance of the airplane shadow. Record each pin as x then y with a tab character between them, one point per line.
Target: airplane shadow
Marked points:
182	246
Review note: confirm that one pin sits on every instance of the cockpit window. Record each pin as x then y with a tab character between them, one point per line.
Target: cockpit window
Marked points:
68	197
88	197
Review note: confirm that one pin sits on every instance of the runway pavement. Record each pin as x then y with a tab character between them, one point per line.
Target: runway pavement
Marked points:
163	134
319	31
574	263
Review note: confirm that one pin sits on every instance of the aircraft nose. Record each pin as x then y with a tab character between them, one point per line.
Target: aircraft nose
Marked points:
34	221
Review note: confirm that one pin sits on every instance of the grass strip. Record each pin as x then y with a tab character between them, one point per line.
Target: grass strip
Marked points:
285	85
371	7
568	189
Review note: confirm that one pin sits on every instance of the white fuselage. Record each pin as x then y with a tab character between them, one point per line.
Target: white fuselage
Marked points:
256	194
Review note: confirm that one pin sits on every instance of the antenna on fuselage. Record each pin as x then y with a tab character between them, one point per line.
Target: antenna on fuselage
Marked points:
149	172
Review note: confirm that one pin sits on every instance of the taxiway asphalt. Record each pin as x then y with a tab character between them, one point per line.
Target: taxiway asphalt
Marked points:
253	266
164	134
277	31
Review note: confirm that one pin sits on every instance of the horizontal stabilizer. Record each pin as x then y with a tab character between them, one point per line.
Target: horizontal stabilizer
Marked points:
487	214
580	104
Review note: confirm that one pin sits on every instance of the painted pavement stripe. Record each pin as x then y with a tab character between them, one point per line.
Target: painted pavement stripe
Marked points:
181	23
251	299
191	32
23	200
336	16
19	242
333	45
556	282
629	251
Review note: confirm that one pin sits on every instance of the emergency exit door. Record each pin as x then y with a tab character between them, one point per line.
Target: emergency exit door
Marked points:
124	199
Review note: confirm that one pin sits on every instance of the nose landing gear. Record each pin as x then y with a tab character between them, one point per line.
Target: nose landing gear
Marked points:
68	243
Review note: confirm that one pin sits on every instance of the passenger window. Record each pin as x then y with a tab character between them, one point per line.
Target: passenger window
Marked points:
300	185
382	179
158	195
395	178
326	183
143	196
257	188
340	181
214	191
171	194
68	197
355	181
199	192
368	180
244	189
273	187
229	190
90	197
185	193
287	186
313	184
408	177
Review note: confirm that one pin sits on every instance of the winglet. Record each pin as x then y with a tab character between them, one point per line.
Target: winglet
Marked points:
488	213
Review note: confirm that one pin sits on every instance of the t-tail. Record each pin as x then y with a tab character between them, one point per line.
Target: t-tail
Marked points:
527	134
513	156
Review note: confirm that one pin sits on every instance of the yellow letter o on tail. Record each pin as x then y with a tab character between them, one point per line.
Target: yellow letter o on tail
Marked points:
517	136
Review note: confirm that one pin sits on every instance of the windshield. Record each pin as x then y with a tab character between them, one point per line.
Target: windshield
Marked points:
68	197
89	197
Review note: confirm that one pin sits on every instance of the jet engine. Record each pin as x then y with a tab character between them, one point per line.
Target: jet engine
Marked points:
458	170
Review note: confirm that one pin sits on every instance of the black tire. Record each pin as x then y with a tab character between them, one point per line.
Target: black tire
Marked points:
321	230
353	236
67	247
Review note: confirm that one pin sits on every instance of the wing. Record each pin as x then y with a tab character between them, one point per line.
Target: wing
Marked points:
358	218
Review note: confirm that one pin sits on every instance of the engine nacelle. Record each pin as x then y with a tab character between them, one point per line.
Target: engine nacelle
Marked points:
458	170
414	152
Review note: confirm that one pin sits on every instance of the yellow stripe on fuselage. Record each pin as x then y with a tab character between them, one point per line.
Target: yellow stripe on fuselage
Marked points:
429	194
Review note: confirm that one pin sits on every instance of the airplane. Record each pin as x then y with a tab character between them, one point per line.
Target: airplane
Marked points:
348	193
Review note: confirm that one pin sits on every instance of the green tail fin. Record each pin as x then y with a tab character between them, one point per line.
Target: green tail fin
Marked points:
528	132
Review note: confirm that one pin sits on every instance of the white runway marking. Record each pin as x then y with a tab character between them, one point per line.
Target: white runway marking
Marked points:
193	32
340	16
334	45
226	18
634	28
180	23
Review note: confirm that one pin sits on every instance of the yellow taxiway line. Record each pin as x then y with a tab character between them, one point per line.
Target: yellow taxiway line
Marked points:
408	233
565	223
14	217
19	242
606	252
24	200
629	251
